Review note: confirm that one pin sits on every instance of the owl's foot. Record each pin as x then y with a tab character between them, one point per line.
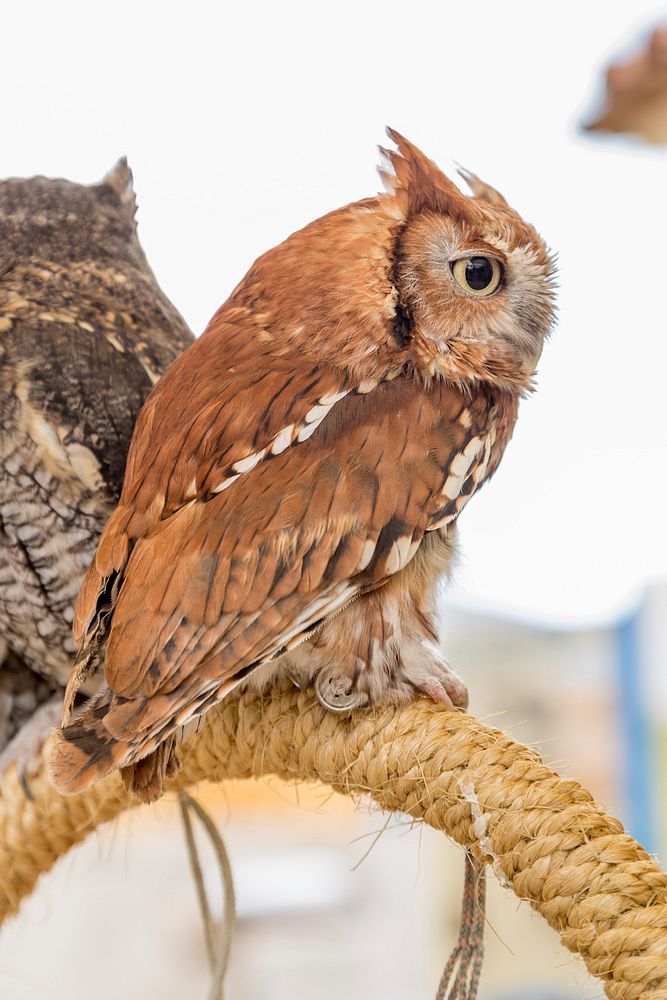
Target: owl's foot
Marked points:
421	668
344	661
376	652
424	668
24	749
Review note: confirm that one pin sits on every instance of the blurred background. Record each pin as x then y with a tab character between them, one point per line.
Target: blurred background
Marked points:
242	122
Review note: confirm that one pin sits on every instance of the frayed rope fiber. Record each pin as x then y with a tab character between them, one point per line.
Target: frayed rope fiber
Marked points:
544	836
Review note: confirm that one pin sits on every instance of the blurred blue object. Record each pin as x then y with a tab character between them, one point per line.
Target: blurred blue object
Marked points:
638	778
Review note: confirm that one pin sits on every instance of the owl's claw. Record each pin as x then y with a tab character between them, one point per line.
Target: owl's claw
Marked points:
433	676
453	693
334	694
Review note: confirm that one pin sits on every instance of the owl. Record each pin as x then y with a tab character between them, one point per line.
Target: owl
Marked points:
84	334
295	478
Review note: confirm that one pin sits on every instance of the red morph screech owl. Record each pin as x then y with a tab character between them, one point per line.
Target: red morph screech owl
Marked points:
295	478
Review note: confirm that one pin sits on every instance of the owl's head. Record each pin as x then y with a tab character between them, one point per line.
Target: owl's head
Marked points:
422	277
474	282
58	220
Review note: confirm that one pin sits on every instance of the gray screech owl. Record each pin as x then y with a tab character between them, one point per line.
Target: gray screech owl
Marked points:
85	331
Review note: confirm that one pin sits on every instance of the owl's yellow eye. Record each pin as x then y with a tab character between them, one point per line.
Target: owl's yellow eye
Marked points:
478	276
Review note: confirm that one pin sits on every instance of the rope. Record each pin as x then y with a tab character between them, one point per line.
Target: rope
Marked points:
544	836
465	961
218	945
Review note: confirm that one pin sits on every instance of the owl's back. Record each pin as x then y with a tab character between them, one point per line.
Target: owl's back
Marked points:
85	331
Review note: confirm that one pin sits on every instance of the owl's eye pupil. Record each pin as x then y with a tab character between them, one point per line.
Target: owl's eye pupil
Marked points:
479	273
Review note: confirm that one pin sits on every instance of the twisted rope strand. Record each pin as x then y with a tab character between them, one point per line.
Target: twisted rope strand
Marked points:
544	836
465	962
218	941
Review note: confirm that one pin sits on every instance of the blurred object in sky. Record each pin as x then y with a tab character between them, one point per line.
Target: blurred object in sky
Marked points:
636	93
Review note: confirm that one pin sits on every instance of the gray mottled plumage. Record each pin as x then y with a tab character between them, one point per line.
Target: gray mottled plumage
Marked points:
85	332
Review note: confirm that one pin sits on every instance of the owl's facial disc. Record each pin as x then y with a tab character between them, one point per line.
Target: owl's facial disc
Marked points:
479	286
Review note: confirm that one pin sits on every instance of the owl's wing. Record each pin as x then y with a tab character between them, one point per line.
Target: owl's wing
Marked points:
228	583
75	370
82	382
235	399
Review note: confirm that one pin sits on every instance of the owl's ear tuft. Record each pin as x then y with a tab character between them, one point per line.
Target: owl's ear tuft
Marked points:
119	182
480	189
417	182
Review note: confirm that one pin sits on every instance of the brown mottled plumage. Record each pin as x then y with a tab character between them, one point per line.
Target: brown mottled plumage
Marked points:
84	334
311	451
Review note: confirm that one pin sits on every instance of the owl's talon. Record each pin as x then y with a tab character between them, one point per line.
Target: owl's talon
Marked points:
438	692
448	690
333	694
430	673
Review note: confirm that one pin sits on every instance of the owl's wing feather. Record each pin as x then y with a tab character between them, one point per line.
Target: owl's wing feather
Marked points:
219	409
226	584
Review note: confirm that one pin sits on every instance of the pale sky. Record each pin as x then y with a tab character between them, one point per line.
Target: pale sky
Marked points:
243	122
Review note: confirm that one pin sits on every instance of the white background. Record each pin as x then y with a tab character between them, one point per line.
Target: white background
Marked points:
242	122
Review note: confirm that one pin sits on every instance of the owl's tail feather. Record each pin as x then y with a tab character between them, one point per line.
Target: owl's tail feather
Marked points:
146	777
85	751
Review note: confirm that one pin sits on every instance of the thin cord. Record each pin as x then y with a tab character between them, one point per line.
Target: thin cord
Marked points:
465	961
218	946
